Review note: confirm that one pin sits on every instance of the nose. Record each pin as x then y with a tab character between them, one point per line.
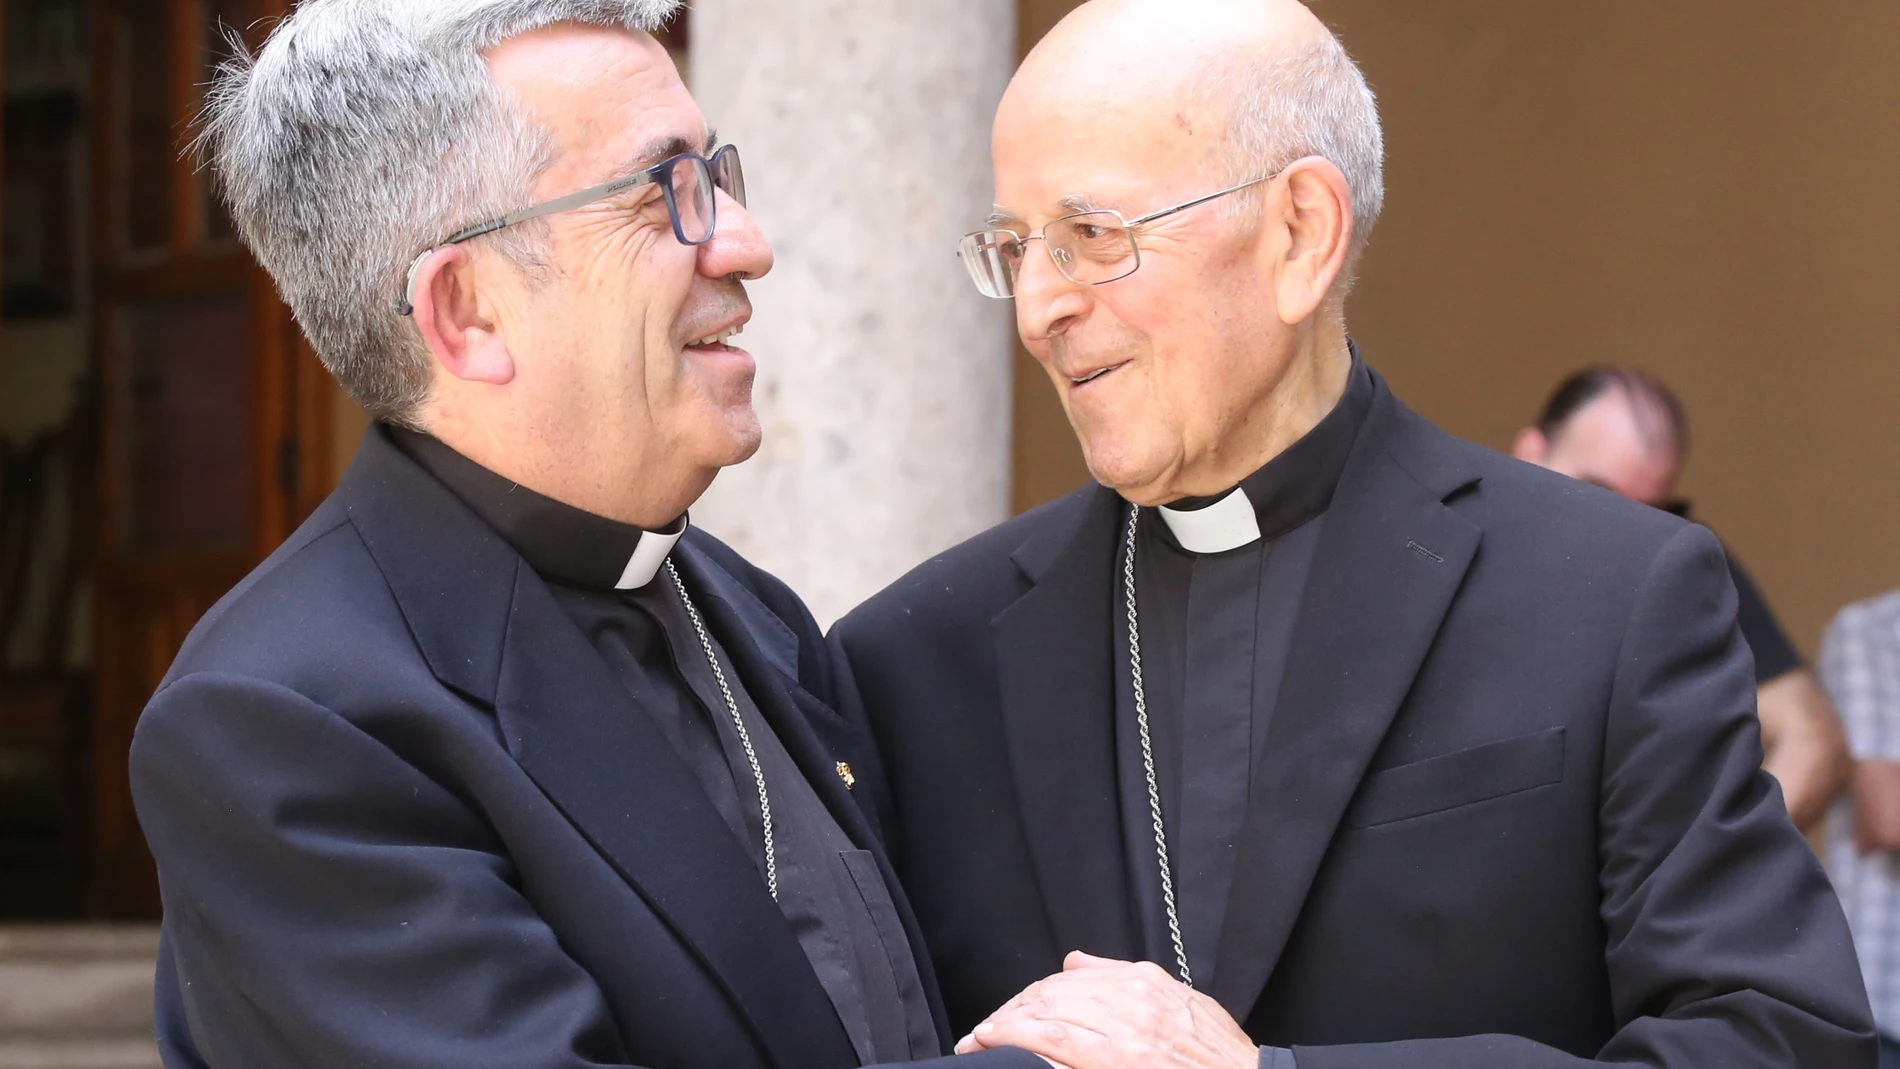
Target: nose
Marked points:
1046	300
737	246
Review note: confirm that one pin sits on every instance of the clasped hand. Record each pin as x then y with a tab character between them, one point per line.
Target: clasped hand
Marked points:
1098	1013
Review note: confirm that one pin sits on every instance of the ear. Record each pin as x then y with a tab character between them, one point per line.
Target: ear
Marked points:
1315	208
1531	446
455	323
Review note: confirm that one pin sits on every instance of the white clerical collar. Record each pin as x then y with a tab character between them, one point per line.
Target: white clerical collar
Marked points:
648	554
1226	524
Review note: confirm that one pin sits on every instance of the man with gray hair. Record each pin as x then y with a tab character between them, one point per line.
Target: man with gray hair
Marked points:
496	763
1328	738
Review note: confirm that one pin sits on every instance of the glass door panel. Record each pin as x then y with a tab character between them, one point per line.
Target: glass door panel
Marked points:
189	423
151	135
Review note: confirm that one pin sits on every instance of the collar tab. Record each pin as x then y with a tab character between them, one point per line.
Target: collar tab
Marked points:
648	554
1229	523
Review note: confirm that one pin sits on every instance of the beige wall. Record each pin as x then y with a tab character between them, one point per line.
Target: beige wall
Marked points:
1705	188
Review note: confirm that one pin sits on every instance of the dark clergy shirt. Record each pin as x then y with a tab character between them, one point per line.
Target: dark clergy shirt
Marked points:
831	893
1215	631
1775	655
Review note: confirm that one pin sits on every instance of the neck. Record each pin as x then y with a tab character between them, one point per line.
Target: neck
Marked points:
616	484
1311	385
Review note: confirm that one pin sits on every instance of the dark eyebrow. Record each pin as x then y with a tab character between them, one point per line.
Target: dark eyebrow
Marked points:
661	150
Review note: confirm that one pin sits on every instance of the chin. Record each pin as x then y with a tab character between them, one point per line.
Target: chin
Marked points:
1116	466
740	437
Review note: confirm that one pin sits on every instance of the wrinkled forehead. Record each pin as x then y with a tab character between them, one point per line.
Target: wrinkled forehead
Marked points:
1099	143
610	99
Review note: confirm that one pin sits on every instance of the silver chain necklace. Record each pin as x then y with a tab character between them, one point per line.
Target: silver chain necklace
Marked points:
1148	750
745	737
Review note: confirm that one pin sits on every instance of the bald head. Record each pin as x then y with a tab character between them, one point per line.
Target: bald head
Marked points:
1122	51
1617	427
1238	87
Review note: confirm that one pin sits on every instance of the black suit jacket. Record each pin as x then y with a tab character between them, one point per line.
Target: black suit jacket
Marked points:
1509	813
405	815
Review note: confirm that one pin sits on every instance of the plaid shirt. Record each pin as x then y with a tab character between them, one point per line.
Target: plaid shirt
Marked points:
1860	667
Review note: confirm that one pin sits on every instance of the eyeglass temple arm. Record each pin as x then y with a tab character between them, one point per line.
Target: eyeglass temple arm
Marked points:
578	199
1165	212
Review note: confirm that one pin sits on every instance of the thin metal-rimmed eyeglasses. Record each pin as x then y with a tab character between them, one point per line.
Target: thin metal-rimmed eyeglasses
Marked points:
687	181
1089	248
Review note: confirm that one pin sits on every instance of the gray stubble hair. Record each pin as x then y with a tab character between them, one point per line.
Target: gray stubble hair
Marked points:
365	131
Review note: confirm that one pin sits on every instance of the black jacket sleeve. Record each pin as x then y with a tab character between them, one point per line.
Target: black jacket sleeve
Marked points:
1724	940
329	904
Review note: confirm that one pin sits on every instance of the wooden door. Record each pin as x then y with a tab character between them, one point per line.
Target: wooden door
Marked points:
215	416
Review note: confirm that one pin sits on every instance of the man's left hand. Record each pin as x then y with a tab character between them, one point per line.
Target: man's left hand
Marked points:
1104	1014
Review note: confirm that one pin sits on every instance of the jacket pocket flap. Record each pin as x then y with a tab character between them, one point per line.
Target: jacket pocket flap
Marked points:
1483	772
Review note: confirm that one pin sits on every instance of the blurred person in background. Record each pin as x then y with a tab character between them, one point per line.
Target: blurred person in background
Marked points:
1626	431
1860	666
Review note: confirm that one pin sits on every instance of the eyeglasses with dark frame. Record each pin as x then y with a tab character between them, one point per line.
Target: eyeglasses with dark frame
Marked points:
687	181
1089	248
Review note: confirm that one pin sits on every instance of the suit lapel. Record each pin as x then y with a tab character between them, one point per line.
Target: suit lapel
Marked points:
764	654
606	765
1056	673
491	629
1390	561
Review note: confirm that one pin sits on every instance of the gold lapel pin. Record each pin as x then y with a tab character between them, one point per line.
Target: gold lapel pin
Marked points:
844	773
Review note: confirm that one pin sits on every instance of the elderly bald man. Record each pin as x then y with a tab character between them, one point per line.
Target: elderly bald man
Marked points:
1400	752
496	763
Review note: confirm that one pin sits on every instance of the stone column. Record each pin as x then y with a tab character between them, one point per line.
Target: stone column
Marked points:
884	377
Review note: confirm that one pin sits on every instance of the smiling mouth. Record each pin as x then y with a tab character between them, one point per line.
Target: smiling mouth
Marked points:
1093	375
716	340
